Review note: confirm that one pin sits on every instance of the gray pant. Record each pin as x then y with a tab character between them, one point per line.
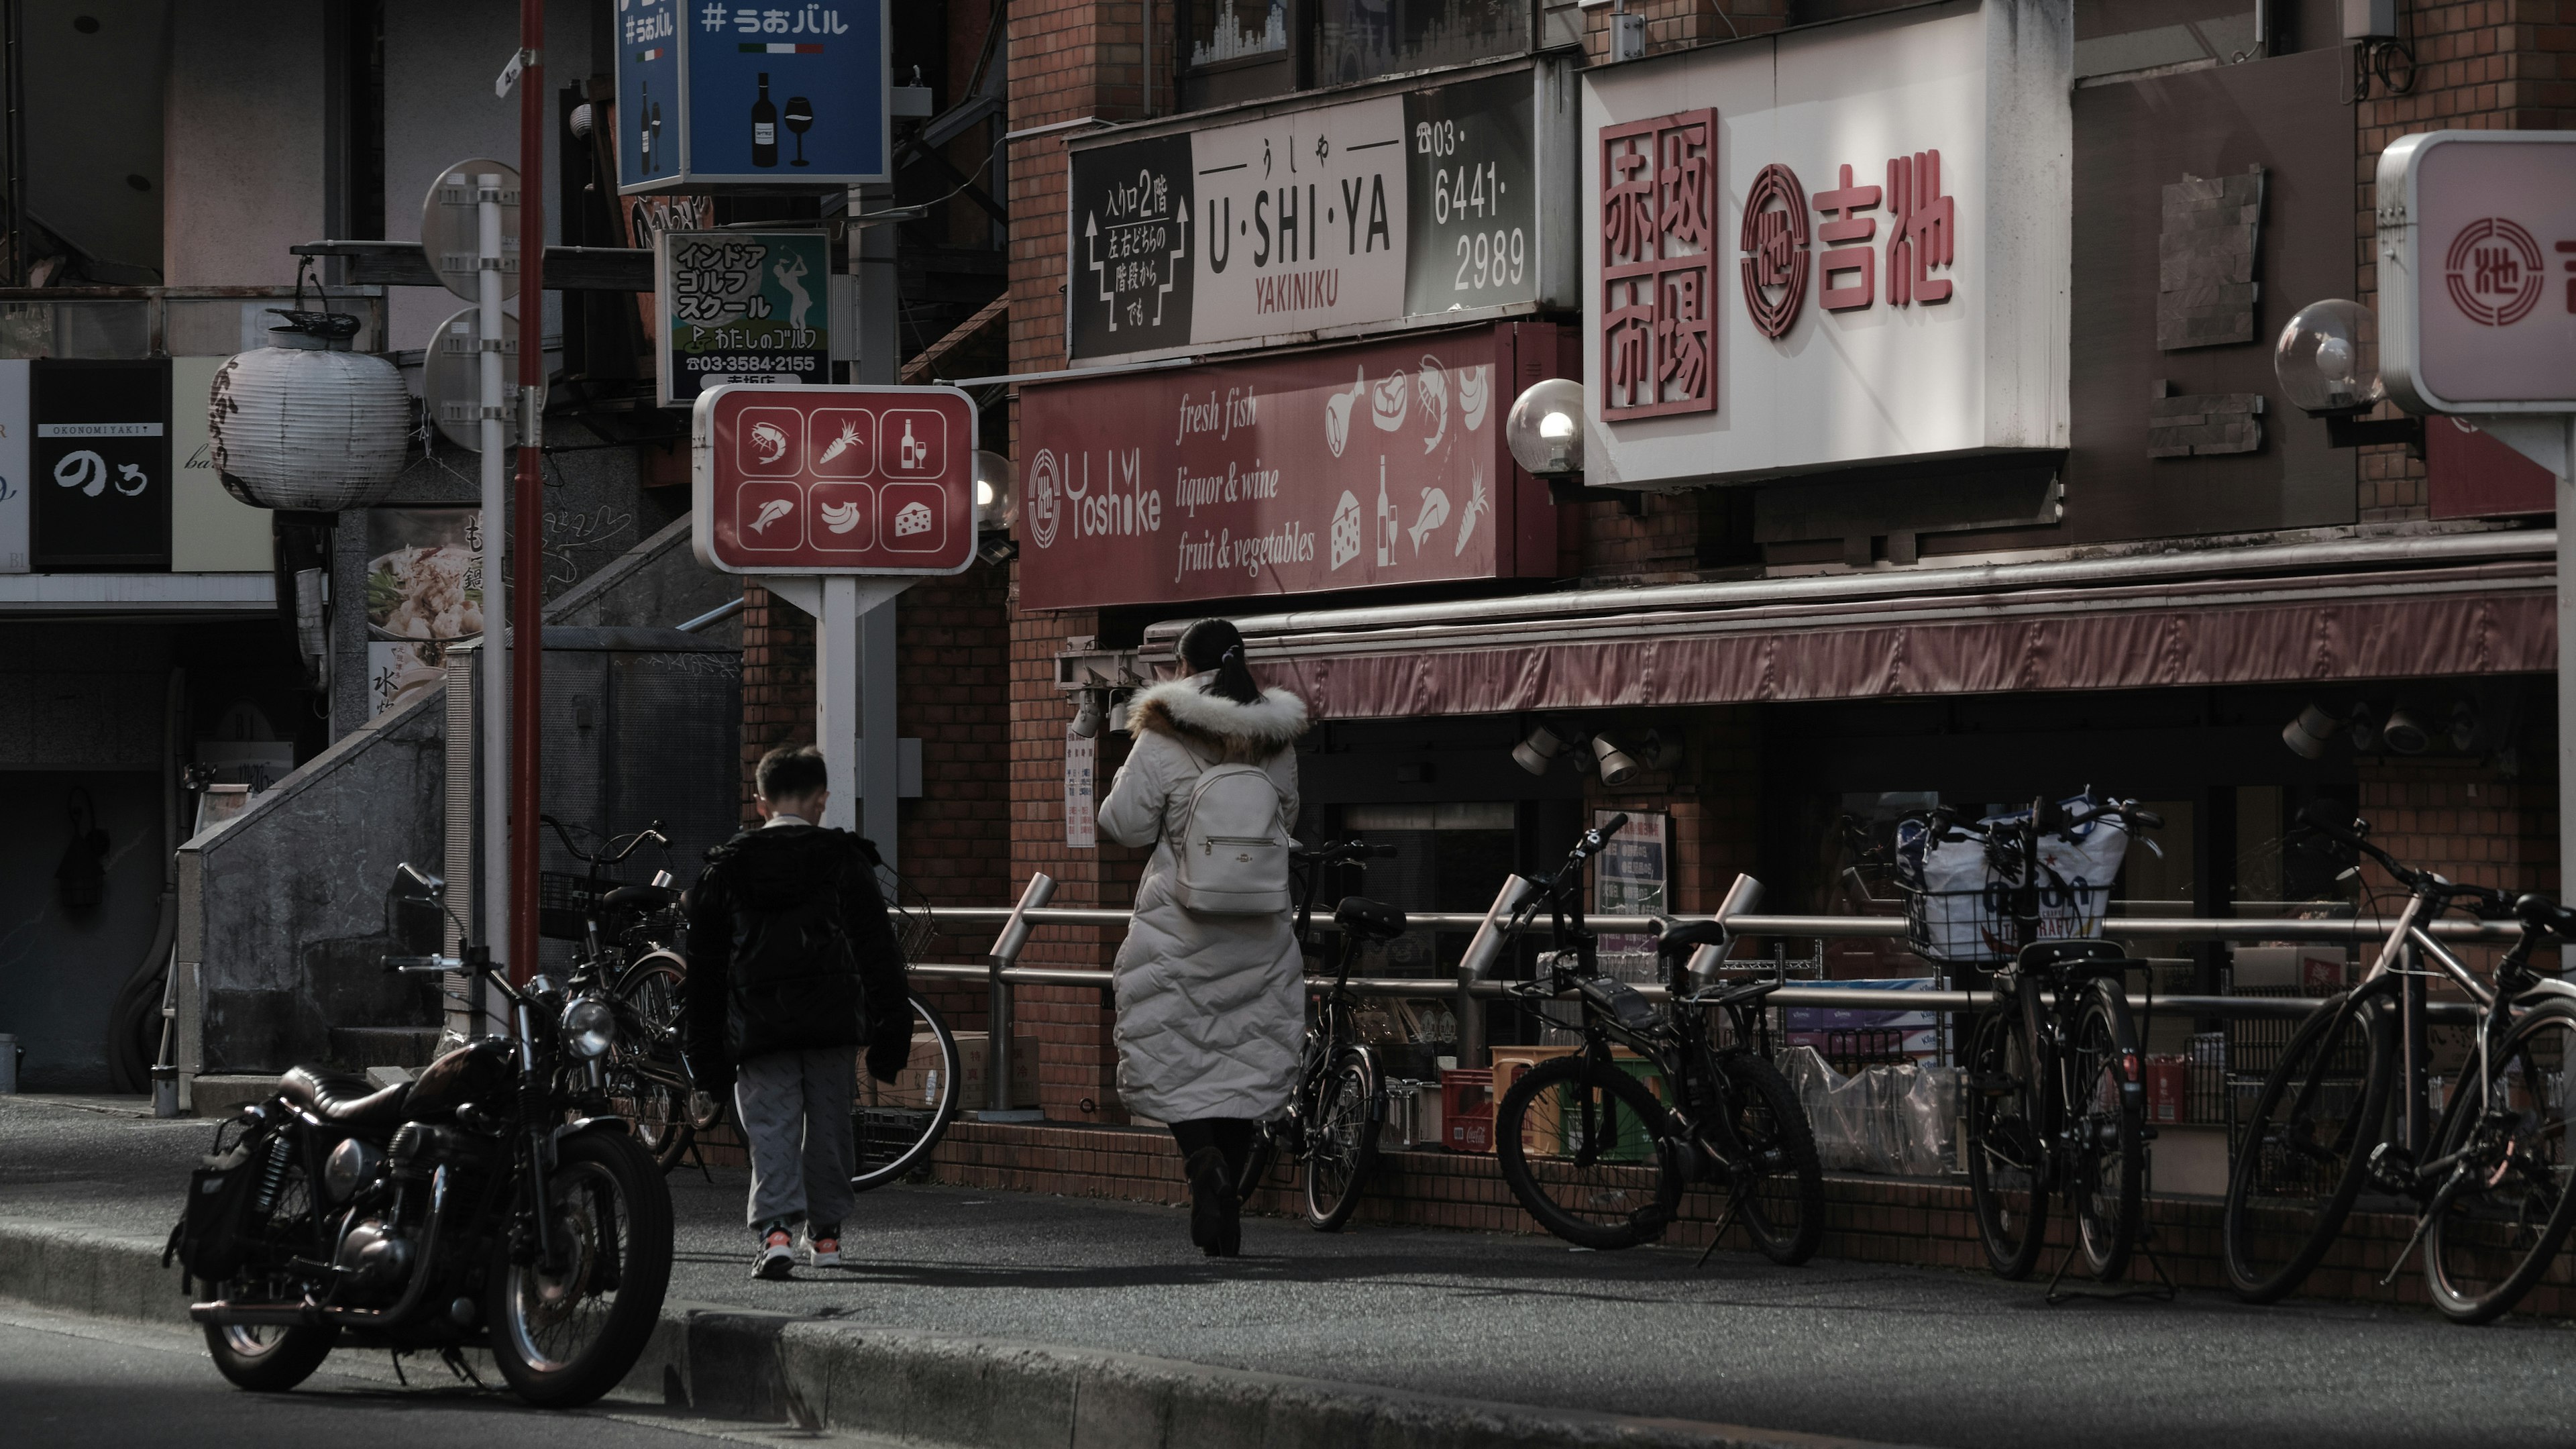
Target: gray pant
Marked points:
794	1108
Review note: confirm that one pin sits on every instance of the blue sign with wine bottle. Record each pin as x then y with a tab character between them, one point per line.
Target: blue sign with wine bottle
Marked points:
724	97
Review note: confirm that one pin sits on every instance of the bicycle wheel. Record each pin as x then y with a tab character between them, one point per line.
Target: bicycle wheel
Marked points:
649	1083
894	1125
2106	1113
1581	1145
2006	1155
1779	1193
2494	1234
1341	1143
2306	1148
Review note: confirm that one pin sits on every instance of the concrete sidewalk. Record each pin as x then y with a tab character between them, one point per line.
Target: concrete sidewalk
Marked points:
1428	1336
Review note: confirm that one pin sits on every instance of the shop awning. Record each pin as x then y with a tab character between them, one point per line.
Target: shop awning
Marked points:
2461	604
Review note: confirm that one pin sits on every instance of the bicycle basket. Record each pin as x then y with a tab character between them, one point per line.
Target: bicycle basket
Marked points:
566	903
1959	910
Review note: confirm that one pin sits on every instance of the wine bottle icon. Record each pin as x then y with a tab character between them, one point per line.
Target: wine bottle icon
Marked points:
764	127
912	450
799	117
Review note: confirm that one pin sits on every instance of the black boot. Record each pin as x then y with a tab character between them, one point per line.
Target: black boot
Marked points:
1214	1226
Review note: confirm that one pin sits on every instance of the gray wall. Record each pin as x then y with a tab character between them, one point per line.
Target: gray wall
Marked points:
246	130
60	972
282	909
657	584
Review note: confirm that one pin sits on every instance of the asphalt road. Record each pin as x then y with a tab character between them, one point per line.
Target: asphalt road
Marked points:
1898	1354
67	1382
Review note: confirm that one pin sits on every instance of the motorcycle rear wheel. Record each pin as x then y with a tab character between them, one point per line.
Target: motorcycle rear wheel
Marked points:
563	1339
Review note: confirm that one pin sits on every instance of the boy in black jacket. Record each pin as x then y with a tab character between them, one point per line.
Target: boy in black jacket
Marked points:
793	966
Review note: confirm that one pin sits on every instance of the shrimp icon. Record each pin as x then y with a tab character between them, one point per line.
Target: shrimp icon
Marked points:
769	441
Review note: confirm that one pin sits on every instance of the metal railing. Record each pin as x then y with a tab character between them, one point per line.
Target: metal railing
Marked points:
1014	925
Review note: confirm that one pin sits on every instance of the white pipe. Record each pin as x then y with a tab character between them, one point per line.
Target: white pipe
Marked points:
495	686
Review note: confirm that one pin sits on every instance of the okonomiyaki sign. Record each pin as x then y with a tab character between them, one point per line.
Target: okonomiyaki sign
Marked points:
1349	469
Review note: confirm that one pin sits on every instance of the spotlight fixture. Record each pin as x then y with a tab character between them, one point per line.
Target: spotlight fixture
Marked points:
1621	763
2307	735
1091	713
2464	726
2364	725
2405	734
1545	743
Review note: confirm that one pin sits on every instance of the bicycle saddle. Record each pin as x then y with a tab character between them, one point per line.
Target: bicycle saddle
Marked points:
2050	955
1368	919
1684	939
641	897
2540	913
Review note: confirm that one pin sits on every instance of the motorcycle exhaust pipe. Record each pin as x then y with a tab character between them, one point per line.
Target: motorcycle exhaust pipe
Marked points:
256	1315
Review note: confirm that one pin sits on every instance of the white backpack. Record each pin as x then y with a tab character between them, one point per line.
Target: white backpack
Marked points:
1233	846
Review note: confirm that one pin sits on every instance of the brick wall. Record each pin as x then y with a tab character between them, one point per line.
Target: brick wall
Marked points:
2480	65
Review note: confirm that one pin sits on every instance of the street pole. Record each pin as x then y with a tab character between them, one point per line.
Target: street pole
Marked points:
528	561
495	701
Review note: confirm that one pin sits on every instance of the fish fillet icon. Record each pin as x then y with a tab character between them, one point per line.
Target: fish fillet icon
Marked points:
770	512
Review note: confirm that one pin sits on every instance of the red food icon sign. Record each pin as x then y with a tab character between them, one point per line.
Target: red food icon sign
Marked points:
826	480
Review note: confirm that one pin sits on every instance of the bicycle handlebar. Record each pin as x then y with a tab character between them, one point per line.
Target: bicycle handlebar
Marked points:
652	832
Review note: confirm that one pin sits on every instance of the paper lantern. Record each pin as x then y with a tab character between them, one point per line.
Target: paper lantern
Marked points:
302	424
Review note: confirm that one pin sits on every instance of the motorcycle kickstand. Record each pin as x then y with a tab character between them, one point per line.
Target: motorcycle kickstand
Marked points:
454	1358
396	1355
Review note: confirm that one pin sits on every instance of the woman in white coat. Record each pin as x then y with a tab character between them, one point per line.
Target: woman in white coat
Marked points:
1211	1009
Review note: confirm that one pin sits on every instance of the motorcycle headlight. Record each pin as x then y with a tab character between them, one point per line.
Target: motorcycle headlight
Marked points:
588	1028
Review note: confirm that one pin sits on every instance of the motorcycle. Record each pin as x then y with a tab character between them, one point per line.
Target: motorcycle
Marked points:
474	1206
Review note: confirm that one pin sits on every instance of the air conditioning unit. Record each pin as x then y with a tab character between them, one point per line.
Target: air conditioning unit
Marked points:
2369	19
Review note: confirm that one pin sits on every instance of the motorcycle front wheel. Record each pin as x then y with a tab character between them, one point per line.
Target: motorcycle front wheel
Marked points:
566	1336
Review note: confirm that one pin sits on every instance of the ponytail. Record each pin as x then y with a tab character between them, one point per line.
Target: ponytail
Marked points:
1214	647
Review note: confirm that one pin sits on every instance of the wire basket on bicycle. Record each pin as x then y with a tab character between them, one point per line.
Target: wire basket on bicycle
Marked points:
1960	897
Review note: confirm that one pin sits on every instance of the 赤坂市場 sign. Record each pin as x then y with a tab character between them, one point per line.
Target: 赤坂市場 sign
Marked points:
1840	245
1337	219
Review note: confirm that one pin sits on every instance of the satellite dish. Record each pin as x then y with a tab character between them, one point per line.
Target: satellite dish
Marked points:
451	376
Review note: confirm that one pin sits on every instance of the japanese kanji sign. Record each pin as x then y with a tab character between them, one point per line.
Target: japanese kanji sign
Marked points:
2477	245
1878	310
1658	259
713	96
833	480
736	306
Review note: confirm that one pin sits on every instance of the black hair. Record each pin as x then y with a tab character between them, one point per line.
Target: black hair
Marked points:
1216	646
792	772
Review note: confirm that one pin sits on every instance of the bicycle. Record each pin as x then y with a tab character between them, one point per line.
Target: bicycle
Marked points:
2056	1098
629	951
2490	1179
1339	1103
1598	1156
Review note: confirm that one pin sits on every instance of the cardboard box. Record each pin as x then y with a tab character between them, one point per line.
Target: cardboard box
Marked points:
1467	1109
914	1088
2317	970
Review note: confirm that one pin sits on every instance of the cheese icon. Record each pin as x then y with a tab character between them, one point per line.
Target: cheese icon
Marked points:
910	519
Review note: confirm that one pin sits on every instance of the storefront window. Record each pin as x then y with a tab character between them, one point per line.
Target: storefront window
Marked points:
1224	30
1359	39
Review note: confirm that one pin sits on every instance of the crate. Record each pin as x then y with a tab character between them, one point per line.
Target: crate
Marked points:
567	904
1413	1115
1630	1140
1467	1109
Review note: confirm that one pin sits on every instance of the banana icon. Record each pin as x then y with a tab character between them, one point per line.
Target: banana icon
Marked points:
840	517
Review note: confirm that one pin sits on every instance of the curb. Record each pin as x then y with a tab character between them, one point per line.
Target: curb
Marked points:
974	1393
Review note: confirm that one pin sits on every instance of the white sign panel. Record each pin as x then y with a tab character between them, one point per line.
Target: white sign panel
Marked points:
2477	271
1842	245
1081	776
13	466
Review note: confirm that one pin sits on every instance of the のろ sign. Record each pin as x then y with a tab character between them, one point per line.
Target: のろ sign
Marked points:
748	307
2477	275
834	480
1839	245
1357	467
98	473
768	97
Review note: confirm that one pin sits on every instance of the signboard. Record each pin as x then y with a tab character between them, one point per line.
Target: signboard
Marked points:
1840	245
1632	877
1353	468
15	434
2477	276
746	307
833	480
424	593
99	465
1081	783
1323	219
747	97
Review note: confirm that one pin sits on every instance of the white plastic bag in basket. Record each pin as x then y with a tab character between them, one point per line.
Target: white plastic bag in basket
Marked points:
1966	905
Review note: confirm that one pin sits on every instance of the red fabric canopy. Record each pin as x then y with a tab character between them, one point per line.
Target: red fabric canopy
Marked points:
2385	627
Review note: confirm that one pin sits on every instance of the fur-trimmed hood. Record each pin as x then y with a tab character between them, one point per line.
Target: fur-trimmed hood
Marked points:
1241	733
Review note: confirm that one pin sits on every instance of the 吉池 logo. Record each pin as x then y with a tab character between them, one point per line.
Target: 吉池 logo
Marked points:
1773	240
1045	498
2495	271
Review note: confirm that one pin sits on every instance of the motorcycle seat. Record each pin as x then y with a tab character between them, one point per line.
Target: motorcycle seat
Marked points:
352	1102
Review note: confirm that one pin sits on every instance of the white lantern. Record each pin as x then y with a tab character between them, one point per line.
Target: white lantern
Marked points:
303	424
